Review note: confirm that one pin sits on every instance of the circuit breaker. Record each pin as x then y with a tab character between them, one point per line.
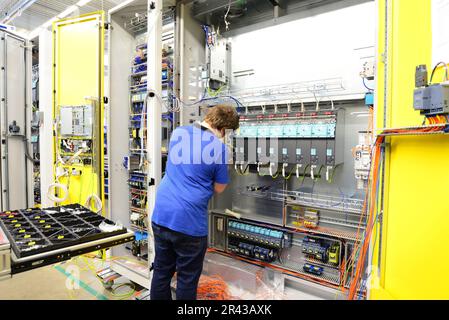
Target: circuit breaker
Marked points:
239	149
289	154
263	151
318	152
76	120
302	152
219	60
313	140
362	159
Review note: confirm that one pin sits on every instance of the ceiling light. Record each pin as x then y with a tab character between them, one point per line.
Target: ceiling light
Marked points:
83	3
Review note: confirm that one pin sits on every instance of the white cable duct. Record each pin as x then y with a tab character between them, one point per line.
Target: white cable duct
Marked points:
298	166
327	173
284	166
271	168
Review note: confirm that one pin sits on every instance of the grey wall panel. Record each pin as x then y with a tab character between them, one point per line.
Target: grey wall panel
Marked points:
16	169
3	167
16	101
121	49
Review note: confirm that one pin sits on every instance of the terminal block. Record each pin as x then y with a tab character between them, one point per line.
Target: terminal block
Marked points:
311	218
253	251
315	248
138	181
334	253
266	236
316	270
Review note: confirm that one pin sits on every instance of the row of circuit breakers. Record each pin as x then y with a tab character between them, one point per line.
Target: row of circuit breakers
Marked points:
265	244
312	138
255	241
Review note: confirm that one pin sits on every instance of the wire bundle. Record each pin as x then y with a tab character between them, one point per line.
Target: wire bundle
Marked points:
213	288
371	210
274	267
437	119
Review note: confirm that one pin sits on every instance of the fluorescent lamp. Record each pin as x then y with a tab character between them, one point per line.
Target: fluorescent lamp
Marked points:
83	3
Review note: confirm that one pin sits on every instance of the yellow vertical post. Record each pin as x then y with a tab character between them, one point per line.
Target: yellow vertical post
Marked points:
415	222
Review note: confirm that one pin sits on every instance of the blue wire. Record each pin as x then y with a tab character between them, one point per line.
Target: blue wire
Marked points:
364	83
206	31
204	99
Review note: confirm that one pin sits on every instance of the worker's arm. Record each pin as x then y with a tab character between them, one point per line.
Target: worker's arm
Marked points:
220	188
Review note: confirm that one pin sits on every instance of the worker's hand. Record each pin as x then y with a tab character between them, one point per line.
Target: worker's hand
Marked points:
220	188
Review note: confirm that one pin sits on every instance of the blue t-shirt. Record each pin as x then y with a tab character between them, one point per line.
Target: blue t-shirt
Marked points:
196	161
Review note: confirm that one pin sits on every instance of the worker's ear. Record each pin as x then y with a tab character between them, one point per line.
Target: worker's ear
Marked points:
223	132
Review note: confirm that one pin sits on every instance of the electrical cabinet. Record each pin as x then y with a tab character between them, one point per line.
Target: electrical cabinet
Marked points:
16	165
292	179
140	122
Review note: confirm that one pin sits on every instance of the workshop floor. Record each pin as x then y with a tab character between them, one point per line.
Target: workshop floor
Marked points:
76	280
56	283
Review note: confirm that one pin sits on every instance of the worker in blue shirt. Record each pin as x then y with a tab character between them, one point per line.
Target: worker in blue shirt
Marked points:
196	169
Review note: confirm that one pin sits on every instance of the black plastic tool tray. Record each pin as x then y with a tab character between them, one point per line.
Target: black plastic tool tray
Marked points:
34	231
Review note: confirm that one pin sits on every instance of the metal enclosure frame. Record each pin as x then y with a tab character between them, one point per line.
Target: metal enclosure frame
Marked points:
118	132
341	217
408	224
64	95
15	92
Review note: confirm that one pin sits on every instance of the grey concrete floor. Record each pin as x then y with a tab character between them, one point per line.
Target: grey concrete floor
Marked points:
76	280
55	283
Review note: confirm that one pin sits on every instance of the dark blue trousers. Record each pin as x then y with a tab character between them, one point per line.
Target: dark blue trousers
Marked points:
180	253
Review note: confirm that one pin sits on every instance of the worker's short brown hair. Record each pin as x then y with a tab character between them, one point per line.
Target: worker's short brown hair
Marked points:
223	117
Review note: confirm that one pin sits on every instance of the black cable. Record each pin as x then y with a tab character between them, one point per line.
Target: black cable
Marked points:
27	153
435	68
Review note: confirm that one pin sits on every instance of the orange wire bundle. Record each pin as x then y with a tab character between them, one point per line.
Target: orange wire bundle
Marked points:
370	204
213	288
438	119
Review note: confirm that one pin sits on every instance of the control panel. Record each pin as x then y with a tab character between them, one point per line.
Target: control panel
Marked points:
304	143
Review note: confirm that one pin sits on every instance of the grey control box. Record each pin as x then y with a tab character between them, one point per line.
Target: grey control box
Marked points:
432	100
